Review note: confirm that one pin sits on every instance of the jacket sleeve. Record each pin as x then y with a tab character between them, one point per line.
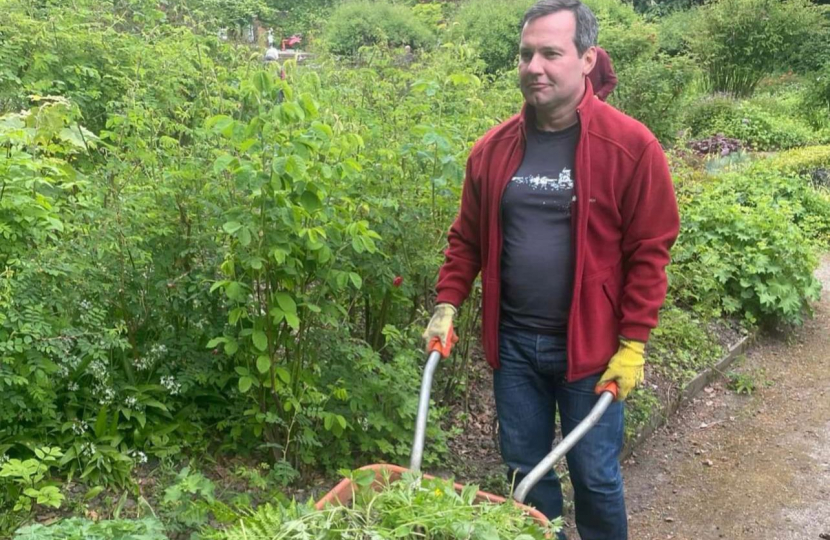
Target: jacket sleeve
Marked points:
609	79
462	261
650	222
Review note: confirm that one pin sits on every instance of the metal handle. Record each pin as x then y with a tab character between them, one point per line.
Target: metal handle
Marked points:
540	470
423	412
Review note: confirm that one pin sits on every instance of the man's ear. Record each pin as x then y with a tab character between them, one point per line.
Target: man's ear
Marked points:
589	60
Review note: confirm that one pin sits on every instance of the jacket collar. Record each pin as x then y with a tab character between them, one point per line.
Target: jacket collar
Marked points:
583	110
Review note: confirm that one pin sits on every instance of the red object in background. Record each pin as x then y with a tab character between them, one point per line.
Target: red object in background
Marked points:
397	281
288	43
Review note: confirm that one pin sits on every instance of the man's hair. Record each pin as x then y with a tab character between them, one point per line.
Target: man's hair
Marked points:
586	24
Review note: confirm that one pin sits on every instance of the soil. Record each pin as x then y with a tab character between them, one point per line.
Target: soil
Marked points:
741	466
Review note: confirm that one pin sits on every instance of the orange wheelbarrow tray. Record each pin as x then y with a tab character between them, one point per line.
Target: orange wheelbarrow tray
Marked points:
343	492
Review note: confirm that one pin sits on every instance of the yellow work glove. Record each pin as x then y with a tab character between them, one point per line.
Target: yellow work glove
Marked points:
440	324
625	367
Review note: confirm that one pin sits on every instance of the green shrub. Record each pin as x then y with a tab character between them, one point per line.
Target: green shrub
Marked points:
681	345
816	99
358	24
494	28
815	51
654	92
740	41
755	125
673	31
800	160
748	246
84	529
623	32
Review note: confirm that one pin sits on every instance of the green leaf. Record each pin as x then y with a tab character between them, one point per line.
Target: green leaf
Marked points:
245	236
263	364
231	346
283	374
245	384
277	315
220	123
234	291
310	201
286	302
356	280
231	227
215	341
262	82
292	320
260	340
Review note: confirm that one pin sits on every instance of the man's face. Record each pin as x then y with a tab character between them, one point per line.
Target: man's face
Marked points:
551	72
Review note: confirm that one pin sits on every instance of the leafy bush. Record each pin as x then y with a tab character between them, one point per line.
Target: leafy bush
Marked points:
816	100
623	33
681	345
357	24
748	246
815	51
741	41
84	529
673	31
757	127
494	28
654	92
805	161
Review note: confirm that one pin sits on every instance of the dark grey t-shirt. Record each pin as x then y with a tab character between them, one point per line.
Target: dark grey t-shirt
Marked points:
536	260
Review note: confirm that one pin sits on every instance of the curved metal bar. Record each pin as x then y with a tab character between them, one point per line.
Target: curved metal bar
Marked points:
562	448
423	412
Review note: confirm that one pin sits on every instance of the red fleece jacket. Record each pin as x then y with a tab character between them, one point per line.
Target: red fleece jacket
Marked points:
623	222
602	77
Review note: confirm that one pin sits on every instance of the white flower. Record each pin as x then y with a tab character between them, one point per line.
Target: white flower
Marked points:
105	395
142	363
139	456
130	402
79	427
88	449
169	382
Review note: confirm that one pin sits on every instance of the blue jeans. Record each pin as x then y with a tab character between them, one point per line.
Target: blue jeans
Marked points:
529	386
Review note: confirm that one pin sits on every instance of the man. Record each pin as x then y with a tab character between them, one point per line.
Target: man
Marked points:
602	77
568	211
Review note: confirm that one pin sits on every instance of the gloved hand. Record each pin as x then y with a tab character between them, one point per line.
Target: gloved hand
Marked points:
440	324
625	367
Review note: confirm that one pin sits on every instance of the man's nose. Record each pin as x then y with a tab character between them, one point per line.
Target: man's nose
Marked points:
535	64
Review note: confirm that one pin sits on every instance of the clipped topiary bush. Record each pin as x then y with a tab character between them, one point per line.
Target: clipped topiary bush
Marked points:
356	24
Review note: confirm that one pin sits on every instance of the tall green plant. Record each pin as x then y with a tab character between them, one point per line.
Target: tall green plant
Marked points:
741	41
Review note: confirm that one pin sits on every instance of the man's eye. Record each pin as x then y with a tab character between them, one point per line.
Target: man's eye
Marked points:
526	56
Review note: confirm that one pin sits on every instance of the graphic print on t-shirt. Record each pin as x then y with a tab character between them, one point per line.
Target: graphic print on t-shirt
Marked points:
563	182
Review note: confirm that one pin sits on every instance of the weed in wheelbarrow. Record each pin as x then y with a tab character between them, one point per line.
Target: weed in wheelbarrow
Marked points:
408	508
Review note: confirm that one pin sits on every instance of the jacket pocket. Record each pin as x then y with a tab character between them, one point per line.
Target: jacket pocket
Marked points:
612	292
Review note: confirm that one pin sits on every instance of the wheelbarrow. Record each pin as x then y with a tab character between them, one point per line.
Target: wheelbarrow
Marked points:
343	492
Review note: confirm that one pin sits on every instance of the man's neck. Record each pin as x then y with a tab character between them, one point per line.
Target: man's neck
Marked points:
560	118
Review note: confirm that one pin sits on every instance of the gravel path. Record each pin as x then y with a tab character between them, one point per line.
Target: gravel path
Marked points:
745	467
